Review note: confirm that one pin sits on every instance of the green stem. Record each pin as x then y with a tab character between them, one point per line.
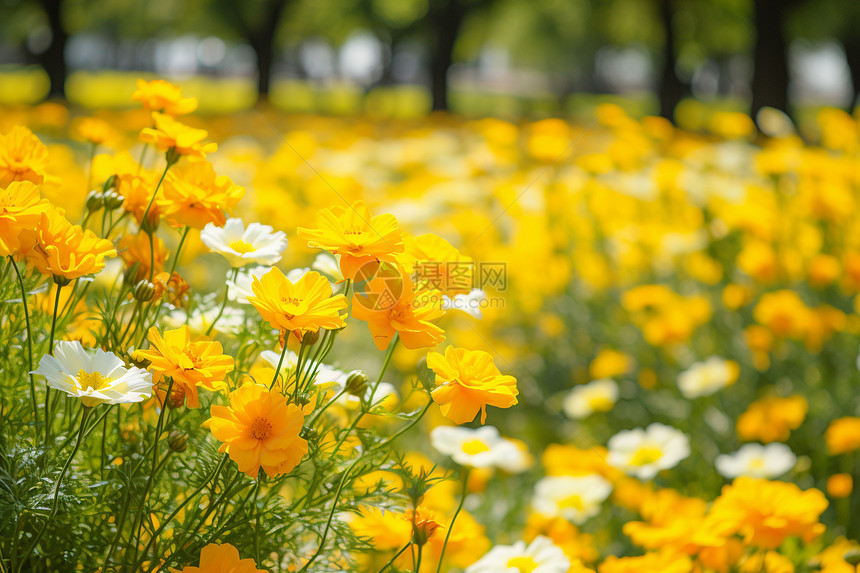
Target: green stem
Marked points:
29	338
51	352
223	302
154	193
453	519
278	369
396	555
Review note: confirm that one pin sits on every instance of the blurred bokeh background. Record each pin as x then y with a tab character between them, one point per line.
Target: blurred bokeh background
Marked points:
408	57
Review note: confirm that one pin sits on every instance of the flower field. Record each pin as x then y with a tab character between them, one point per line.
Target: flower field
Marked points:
271	342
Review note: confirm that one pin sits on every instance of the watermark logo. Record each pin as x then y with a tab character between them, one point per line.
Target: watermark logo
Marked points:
378	285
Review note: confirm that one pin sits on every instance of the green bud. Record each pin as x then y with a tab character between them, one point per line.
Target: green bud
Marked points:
144	291
177	441
112	200
356	383
61	281
308	433
95	200
310	338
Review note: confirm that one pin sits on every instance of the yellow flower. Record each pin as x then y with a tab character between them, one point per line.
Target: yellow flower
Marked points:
784	313
260	429
467	381
771	419
58	248
21	208
178	138
224	558
765	512
609	363
304	306
22	157
195	196
575	544
843	435
662	562
357	236
385	530
423	522
135	249
189	363
769	562
164	97
437	265
94	130
840	485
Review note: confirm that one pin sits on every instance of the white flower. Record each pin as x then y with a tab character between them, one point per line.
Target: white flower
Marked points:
480	448
329	265
541	556
96	377
470	303
575	498
255	244
596	396
201	318
705	378
644	452
239	288
755	460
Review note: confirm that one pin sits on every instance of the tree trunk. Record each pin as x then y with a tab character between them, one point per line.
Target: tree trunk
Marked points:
263	49
671	89
770	57
447	23
53	60
852	57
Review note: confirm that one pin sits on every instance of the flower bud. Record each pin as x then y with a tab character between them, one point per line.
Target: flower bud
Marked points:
177	441
308	433
110	183
172	156
95	200
62	281
424	524
356	383
130	274
144	291
112	200
150	224
310	338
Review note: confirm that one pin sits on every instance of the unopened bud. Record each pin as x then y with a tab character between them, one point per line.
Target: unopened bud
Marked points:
112	200
95	200
177	441
852	557
62	281
150	224
356	383
310	338
172	156
110	183
308	433
144	291
129	276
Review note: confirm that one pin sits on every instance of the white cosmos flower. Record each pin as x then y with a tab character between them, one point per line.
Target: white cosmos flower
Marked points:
575	498
329	265
540	556
470	303
255	244
201	318
596	396
96	377
644	452
239	288
758	461
479	448
706	378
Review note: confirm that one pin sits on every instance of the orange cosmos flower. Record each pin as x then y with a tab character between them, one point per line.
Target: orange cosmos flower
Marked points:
190	363
467	381
178	138
94	130
163	97
260	429
22	157
356	235
771	419
843	435
134	182
437	265
21	208
56	247
195	196
765	512
216	558
304	306
390	305
135	249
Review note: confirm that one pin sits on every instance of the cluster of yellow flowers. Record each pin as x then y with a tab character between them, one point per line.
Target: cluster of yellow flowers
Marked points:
678	309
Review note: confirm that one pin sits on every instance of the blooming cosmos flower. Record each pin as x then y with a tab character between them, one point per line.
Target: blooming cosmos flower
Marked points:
22	157
189	363
196	196
843	435
644	452
705	378
56	247
224	558
240	245
772	418
260	429
540	556
438	265
170	134
665	561
356	235
467	381
304	306
21	207
96	377
163	97
756	460
479	448
596	396
203	316
470	303
135	248
576	498
329	265
93	130
765	512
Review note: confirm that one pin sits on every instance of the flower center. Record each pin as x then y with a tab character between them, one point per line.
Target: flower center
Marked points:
473	447
93	380
523	564
573	501
600	404
241	247
645	456
260	428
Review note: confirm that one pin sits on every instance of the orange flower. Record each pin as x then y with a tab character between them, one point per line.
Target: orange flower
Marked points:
357	236
190	363
178	138
195	196
304	306
765	512
135	249
424	524
467	381
216	558
21	208
771	419
22	157
58	248
390	305
435	263
843	435
260	429
163	97
93	130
